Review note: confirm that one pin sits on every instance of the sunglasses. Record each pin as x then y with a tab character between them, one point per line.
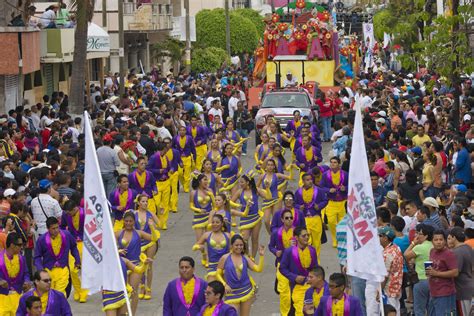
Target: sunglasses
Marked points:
288	217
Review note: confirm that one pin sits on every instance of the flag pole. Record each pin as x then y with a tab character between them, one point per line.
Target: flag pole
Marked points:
106	215
382	312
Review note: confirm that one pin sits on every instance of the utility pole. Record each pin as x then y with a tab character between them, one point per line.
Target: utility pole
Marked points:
227	27
187	50
104	13
121	48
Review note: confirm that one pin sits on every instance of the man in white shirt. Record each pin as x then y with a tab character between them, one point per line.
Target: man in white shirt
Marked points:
48	18
234	99
44	206
290	81
215	110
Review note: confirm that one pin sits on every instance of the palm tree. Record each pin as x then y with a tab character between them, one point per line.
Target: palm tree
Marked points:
170	48
84	12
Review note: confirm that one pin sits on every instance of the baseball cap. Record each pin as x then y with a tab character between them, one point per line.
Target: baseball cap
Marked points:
461	188
44	184
416	150
387	231
380	120
382	113
392	195
9	192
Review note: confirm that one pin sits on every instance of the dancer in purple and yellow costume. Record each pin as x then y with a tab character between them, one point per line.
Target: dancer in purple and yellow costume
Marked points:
338	303
318	288
274	130
129	244
293	127
335	181
311	199
232	136
315	138
281	166
306	157
199	135
185	145
269	182
121	199
160	166
214	154
229	168
215	305
233	272
201	202
223	208
142	181
14	276
52	253
250	225
215	181
174	157
53	303
144	219
295	264
184	295
73	219
262	151
281	239
288	204
217	242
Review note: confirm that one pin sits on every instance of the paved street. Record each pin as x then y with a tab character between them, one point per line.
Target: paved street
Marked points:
177	242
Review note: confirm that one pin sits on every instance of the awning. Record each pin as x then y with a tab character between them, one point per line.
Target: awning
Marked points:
98	42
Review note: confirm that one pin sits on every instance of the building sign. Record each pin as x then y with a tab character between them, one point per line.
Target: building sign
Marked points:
98	44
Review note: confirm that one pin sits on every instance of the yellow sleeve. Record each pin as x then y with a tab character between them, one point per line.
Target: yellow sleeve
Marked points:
155	234
259	267
234	205
222	168
220	277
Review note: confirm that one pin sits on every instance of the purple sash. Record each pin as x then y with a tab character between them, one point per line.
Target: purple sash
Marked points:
309	205
179	289
3	268
70	223
50	247
295	217
347	305
138	182
129	191
217	309
280	237
341	179
296	259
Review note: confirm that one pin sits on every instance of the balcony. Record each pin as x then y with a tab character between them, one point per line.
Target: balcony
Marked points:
240	4
20	55
57	45
147	17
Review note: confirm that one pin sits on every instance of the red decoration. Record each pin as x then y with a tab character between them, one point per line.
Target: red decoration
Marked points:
275	17
282	27
300	4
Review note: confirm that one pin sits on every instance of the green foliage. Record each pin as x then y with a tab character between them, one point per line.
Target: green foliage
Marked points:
210	31
170	47
208	59
255	17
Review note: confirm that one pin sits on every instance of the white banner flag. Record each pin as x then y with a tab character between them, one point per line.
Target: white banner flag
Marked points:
364	252
368	31
101	267
386	40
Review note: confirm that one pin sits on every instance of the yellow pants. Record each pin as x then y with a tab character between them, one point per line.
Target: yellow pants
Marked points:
152	207
297	296
335	211
174	192
314	226
76	281
162	201
118	225
201	152
59	279
185	172
9	304
283	288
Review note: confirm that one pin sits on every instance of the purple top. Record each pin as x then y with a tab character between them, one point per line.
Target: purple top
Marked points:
301	159
189	148
201	134
231	277
150	183
17	282
234	167
298	220
133	247
290	264
352	302
326	181
222	309
156	167
67	222
172	302
57	304
44	256
114	199
317	203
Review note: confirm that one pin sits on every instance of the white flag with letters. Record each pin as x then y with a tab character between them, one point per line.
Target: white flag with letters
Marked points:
101	266
364	252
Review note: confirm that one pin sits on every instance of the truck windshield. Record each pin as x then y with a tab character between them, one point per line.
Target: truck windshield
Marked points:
285	100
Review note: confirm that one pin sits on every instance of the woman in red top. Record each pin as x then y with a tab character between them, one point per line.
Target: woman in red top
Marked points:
326	106
338	105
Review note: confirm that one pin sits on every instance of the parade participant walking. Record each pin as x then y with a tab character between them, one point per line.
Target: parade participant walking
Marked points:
185	145
73	220
215	181
174	157
262	151
146	221
307	157
336	181
223	208
214	154
277	154
140	181
311	199
14	275
295	265
53	302
229	168
215	305
288	204
52	253
233	272
160	166
121	199
338	303
199	136
319	288
129	243
269	182
184	295
217	242
201	202
281	239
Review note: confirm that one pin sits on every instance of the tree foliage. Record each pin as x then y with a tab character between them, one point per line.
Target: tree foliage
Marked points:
210	31
170	47
208	59
255	17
